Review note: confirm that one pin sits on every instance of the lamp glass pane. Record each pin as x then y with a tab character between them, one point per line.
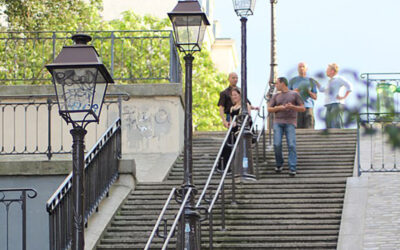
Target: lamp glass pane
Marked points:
189	31
75	90
99	94
244	7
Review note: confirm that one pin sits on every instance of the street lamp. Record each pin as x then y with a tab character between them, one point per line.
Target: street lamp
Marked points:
189	24
244	164
80	80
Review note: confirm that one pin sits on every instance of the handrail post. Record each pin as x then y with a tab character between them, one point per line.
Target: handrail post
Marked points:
270	124
23	198
120	106
49	153
233	178
223	207
257	162
112	54
172	59
211	229
263	132
358	147
54	37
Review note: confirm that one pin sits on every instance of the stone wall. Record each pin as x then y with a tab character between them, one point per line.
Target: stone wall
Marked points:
152	128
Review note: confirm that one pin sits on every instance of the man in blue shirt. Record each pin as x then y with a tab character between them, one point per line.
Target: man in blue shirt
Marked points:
307	88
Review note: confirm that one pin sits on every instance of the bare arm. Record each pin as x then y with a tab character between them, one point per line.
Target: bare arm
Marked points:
276	109
343	97
297	108
319	87
223	118
312	95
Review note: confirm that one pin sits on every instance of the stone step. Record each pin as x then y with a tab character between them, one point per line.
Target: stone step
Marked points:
234	246
274	212
245	238
279	176
258	183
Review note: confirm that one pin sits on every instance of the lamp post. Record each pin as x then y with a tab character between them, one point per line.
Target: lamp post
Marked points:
273	64
80	80
244	164
189	24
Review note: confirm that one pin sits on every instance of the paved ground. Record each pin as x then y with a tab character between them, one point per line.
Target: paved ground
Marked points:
382	216
371	214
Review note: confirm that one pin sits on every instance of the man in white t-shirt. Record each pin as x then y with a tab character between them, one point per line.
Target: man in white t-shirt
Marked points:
333	101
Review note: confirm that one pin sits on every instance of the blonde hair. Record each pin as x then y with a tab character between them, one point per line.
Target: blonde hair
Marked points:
334	66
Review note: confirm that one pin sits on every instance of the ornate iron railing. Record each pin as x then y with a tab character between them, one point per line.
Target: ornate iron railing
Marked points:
8	197
378	124
375	135
131	56
31	124
101	171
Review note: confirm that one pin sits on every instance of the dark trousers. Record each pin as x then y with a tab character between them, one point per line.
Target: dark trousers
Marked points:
334	115
305	119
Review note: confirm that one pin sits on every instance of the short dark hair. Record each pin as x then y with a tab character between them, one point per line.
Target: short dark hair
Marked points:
284	80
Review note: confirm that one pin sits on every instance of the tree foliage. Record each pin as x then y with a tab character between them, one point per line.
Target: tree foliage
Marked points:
37	15
25	57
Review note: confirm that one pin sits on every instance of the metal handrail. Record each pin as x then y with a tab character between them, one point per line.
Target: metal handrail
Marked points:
42	107
21	200
221	183
116	94
264	118
46	43
177	218
102	159
164	209
67	183
263	126
366	120
263	99
203	193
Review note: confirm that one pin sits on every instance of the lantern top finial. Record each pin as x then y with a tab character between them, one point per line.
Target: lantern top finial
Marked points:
82	39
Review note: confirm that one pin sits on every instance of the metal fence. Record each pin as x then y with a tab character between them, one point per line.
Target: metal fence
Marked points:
378	124
30	125
101	171
15	198
376	136
131	56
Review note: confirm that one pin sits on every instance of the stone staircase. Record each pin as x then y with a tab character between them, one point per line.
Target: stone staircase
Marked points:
275	212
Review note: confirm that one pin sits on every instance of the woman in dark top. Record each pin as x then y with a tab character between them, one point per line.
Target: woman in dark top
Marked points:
235	110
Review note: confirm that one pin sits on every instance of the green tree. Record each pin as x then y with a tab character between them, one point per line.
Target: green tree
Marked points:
207	81
38	15
23	55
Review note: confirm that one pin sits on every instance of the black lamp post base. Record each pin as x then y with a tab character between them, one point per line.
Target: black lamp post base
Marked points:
243	162
78	187
189	232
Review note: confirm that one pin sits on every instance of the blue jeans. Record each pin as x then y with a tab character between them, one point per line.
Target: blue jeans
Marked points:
290	131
